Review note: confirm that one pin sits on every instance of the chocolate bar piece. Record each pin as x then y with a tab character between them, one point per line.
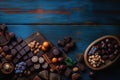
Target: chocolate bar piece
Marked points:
22	52
27	49
25	57
23	44
14	43
18	47
19	39
30	54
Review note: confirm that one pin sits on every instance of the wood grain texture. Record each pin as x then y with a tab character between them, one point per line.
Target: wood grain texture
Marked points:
83	36
59	12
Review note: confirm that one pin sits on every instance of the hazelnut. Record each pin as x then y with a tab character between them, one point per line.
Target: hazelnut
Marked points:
43	48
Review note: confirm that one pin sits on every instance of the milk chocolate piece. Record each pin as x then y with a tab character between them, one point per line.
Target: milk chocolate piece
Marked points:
43	74
23	44
22	52
18	47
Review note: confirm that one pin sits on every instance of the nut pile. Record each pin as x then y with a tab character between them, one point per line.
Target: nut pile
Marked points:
95	60
36	46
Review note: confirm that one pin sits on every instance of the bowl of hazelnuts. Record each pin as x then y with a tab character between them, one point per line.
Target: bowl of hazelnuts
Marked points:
102	52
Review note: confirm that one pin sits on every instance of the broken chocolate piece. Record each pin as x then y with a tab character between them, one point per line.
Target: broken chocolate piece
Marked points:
54	76
43	74
75	76
37	78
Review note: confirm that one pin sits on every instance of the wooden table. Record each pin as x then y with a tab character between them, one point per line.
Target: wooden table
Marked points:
83	20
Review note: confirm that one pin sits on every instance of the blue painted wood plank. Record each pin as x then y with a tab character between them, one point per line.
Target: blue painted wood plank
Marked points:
59	12
83	35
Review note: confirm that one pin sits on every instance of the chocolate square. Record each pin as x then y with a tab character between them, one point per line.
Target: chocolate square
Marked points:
23	44
14	43
25	57
19	39
30	54
18	56
22	52
13	52
18	47
27	48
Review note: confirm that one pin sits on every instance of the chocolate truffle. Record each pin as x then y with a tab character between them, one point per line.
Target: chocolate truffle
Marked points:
41	60
34	59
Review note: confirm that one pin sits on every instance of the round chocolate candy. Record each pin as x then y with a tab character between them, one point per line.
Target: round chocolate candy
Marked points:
36	66
41	60
34	59
56	51
45	65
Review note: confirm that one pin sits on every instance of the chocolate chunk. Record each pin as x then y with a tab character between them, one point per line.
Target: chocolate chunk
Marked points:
13	52
54	76
6	48
68	72
18	47
19	39
27	48
23	44
112	57
22	52
43	74
65	49
61	43
81	67
75	76
29	62
1	49
67	39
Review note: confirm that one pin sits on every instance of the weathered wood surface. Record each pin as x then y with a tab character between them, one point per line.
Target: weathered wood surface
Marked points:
60	11
83	35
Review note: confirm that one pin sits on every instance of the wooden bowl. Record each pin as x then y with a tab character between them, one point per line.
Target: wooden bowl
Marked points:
108	63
